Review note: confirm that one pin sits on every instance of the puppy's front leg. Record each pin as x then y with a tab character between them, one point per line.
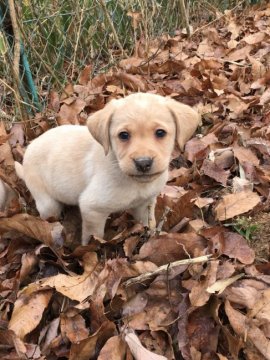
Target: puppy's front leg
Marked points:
93	223
145	213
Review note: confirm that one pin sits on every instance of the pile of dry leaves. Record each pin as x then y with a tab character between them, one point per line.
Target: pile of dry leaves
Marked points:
132	297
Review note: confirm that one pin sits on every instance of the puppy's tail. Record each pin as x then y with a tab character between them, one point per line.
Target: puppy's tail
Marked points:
19	170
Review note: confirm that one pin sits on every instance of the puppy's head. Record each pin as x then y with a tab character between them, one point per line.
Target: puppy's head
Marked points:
141	130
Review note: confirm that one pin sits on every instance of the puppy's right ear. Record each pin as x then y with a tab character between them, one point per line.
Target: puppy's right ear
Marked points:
99	125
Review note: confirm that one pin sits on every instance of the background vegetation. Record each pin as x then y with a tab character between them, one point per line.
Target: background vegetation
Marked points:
59	37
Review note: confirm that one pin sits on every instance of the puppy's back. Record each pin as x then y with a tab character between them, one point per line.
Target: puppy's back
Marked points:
58	159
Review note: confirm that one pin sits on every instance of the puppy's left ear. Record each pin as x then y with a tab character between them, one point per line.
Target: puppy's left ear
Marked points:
99	125
186	121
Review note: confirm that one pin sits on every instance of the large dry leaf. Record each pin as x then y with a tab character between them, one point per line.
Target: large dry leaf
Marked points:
48	233
197	149
183	207
220	285
68	113
240	325
114	349
243	294
232	245
240	54
139	351
245	155
203	331
212	170
73	327
28	311
172	247
135	305
254	38
236	204
199	294
85	75
87	348
77	287
261	309
134	83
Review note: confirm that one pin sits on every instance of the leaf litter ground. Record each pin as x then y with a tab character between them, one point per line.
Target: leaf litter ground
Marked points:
61	300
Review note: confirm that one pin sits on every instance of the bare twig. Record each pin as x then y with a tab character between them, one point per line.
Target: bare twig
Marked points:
16	57
5	115
77	40
215	20
185	15
162	220
180	225
116	38
165	268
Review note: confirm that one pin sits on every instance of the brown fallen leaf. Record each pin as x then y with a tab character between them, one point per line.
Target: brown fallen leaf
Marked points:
203	332
240	54
255	38
85	75
54	101
232	245
245	329
48	334
197	149
243	294
114	349
134	83
28	311
236	204
201	202
73	326
50	234
77	287
139	351
16	135
220	285
179	208
261	309
68	113
172	247
87	348
199	294
135	305
244	155
212	170
29	261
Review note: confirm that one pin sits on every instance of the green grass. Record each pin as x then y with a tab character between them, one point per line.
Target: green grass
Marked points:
245	227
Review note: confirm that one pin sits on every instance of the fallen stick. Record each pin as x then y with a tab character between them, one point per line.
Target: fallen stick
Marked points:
165	268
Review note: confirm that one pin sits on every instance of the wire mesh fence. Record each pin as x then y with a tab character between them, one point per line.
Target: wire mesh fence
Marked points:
57	38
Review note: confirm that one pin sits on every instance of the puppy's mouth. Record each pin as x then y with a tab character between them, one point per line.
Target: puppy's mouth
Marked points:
146	177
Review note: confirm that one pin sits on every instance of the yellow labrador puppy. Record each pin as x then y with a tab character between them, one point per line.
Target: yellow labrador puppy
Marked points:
120	162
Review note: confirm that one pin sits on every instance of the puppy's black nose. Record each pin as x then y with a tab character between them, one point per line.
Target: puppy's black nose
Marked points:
143	164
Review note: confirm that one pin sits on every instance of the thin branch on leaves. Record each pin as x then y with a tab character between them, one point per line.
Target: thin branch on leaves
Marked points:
165	268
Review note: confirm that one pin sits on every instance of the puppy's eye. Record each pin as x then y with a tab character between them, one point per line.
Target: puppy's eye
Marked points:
160	133
124	135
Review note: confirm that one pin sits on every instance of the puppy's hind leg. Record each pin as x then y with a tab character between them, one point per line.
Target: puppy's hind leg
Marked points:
47	206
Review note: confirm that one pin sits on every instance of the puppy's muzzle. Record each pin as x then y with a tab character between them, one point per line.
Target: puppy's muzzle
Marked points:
143	164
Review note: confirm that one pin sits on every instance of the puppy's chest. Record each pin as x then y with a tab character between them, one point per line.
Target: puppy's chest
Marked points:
133	197
121	196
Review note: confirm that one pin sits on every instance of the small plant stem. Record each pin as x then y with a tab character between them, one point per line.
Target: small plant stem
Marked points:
116	38
185	15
